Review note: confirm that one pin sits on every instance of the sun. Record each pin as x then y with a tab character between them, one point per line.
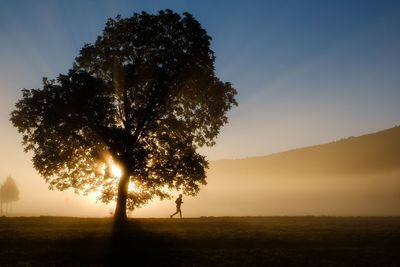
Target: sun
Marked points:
116	170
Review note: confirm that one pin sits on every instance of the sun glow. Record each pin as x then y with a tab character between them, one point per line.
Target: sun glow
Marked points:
116	170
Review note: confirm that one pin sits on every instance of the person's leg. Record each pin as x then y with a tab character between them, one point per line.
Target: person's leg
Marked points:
174	213
180	212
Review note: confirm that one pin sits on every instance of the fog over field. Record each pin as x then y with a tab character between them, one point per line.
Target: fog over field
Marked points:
354	176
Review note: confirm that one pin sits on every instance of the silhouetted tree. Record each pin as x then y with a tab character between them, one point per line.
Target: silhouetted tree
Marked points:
8	193
144	96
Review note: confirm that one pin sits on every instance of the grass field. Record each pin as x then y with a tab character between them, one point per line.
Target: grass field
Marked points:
220	241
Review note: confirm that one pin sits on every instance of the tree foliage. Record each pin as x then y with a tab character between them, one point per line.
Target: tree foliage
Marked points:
9	191
144	96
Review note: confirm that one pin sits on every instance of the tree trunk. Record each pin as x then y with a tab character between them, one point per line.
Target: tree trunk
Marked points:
120	208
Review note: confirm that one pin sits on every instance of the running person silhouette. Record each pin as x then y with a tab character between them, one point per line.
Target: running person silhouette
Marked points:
178	202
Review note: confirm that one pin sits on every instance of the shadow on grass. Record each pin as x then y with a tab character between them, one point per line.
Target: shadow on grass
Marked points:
131	244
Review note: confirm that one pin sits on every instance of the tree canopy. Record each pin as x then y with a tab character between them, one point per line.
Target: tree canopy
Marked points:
144	96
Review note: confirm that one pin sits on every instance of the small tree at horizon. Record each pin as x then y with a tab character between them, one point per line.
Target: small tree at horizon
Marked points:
8	193
144	97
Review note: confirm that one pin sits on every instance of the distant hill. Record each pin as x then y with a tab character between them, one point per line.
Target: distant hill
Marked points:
368	153
353	176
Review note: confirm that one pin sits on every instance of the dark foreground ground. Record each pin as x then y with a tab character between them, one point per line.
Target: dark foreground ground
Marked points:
242	241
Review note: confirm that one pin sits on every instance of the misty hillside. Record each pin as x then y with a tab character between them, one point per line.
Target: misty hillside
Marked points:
352	176
376	152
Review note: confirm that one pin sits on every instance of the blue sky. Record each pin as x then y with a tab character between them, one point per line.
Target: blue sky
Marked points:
307	72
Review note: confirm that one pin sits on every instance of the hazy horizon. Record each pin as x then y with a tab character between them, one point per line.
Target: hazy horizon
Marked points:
262	186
